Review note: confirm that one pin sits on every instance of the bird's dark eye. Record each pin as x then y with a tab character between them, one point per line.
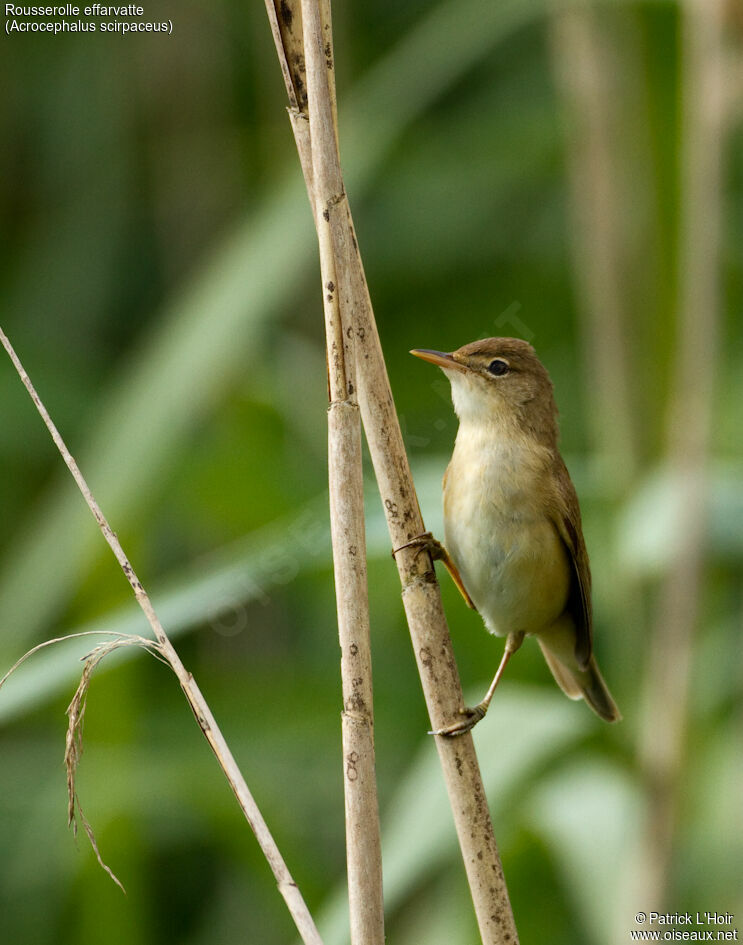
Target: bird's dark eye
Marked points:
499	367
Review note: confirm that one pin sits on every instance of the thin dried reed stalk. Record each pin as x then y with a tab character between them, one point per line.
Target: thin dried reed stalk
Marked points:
346	486
287	887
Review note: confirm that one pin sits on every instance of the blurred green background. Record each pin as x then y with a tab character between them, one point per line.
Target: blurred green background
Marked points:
566	172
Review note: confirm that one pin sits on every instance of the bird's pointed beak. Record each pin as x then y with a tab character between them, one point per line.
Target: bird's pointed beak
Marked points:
439	358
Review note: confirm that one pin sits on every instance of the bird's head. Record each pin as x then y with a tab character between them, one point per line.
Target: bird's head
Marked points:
499	381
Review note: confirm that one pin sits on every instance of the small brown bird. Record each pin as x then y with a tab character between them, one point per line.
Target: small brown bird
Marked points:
513	535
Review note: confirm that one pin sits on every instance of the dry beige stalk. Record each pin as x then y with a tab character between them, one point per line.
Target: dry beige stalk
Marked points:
207	723
325	187
421	597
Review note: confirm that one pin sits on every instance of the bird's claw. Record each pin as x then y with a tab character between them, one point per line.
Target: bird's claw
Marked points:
426	542
470	720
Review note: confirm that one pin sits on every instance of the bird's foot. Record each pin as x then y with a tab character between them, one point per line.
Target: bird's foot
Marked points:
426	542
470	719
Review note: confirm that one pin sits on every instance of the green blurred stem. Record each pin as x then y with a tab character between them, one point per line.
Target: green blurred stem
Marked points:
584	82
672	655
207	722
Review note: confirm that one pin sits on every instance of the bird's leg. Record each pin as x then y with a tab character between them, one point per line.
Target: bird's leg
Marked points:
476	714
439	553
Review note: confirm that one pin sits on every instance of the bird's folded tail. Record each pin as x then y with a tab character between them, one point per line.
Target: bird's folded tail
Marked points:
585	684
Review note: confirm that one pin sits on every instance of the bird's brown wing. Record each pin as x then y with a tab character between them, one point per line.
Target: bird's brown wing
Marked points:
566	518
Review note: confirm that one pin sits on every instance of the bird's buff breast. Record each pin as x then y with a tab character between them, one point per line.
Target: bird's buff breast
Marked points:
509	554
